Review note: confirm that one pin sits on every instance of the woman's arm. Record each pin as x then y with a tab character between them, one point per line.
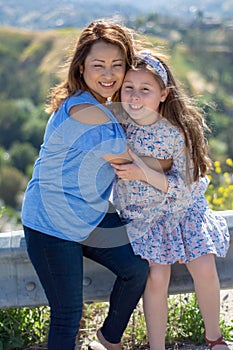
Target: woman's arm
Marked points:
89	114
92	115
123	158
159	165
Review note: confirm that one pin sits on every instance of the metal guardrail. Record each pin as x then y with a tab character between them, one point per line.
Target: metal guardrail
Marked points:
20	287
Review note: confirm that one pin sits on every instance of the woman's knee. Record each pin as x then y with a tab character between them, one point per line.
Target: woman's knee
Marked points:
139	269
142	267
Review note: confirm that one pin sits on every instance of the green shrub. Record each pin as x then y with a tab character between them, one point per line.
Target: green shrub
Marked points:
20	327
220	191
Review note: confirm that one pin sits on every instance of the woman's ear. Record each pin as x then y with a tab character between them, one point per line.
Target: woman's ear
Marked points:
164	94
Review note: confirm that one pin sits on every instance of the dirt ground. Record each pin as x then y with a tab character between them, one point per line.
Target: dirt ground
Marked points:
226	314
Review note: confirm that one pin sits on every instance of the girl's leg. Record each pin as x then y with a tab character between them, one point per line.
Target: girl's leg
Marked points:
155	305
206	283
58	264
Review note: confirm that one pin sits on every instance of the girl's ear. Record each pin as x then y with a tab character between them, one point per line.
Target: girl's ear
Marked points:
164	94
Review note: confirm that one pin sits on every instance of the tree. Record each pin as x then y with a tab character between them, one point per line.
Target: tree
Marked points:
4	157
12	117
22	155
12	182
33	129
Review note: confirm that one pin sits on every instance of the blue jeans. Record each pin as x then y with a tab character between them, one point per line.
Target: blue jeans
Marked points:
59	265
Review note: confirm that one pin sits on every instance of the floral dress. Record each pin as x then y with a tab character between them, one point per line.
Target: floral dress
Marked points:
177	225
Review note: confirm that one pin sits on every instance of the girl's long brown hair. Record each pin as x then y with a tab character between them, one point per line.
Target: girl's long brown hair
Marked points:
181	111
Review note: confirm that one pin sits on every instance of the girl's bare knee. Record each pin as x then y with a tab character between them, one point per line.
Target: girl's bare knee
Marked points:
159	276
204	268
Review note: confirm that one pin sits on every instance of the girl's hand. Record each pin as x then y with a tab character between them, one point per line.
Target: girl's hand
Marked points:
131	171
138	170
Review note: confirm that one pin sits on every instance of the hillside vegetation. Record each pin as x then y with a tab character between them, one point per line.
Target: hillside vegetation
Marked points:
32	62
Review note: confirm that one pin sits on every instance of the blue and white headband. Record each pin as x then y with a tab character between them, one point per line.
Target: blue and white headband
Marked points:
155	63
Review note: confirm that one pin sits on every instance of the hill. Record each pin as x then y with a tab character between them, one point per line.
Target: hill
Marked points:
33	61
43	14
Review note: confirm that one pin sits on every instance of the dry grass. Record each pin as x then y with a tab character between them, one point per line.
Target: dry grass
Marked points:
135	335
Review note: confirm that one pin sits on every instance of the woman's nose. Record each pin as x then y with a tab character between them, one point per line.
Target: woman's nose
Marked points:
108	72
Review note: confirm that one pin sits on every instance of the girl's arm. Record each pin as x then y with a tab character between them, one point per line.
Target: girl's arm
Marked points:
174	183
160	165
138	170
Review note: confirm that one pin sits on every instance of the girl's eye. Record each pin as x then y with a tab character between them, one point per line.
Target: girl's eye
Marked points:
127	88
98	66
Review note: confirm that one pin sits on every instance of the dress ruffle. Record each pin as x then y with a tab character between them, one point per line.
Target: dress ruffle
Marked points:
195	232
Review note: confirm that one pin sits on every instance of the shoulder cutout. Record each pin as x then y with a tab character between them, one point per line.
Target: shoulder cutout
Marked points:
88	114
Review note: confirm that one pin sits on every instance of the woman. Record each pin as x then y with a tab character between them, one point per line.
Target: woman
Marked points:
66	213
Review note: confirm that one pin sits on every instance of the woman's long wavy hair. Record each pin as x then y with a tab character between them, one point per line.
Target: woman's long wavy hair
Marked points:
100	30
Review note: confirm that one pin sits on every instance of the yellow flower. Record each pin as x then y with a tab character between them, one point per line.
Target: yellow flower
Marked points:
226	194
218	170
221	189
217	163
217	201
229	161
228	181
226	174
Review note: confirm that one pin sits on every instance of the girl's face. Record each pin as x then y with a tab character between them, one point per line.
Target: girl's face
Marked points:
141	95
104	70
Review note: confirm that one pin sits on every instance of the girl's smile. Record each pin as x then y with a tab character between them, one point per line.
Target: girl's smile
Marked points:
141	96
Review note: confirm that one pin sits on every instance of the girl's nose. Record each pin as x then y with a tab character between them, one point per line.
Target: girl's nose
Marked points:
135	95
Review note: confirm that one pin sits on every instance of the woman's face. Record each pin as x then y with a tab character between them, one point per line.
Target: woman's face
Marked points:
104	70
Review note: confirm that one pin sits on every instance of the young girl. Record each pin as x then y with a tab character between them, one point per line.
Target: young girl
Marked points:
167	216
